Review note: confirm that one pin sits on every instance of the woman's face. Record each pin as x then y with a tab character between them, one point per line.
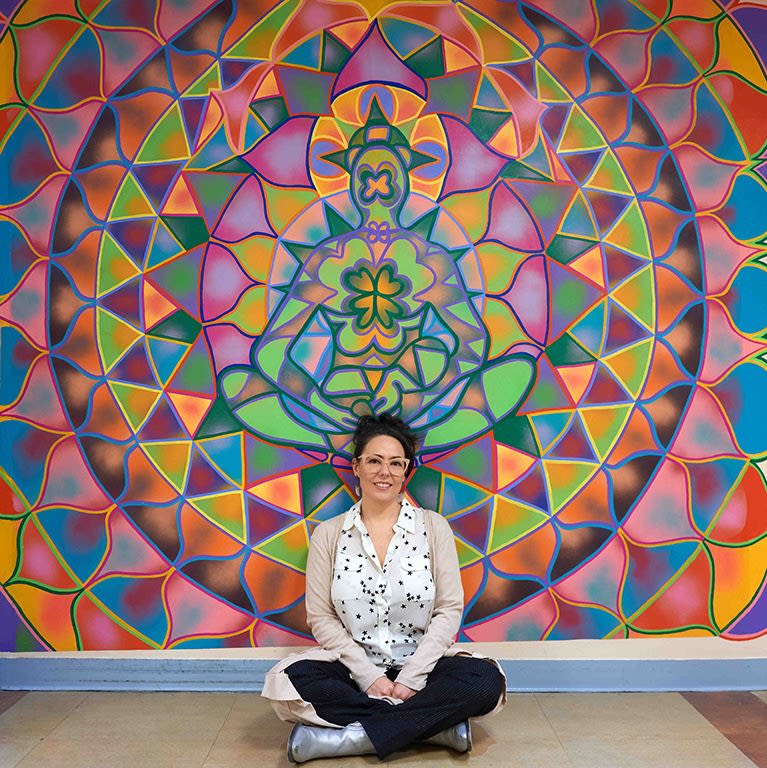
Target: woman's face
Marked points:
377	483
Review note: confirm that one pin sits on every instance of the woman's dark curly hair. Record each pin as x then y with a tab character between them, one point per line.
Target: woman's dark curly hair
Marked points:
370	426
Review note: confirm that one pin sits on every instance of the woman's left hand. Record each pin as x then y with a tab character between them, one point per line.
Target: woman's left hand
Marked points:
402	692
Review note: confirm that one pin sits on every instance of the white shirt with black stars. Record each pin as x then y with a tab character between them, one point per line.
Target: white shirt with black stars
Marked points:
386	609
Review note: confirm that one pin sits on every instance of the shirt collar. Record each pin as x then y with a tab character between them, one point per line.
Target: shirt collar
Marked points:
406	519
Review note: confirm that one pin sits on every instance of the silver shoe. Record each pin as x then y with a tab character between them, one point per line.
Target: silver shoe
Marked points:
457	738
310	742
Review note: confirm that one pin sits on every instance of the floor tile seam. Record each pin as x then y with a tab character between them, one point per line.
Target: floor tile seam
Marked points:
9	699
732	735
218	732
554	730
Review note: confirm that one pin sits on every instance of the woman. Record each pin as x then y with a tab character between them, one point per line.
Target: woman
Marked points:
384	602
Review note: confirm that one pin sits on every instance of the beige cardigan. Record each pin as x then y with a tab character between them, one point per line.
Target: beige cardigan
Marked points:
335	641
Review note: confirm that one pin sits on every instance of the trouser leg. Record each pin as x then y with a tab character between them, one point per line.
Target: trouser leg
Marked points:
458	687
329	687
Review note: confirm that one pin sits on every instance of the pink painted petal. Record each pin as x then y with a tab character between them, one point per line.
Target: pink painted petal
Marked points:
704	433
724	346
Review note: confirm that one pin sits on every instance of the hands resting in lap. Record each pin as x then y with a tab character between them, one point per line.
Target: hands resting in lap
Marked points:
385	687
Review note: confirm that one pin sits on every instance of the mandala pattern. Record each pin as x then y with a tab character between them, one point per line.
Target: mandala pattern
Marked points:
533	229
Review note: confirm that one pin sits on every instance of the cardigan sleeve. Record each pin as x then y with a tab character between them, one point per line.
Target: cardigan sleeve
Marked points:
328	630
448	607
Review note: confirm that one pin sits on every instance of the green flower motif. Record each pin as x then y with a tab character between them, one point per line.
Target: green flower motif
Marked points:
376	291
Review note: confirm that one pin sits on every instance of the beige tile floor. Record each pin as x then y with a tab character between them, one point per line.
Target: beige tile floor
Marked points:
210	730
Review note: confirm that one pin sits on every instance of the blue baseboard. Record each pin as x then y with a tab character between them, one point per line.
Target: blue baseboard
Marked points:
43	671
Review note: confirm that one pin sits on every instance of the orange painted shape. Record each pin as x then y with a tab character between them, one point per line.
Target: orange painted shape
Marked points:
156	306
591	266
180	201
506	141
191	409
456	58
283	492
576	379
48	612
511	464
268	87
350	34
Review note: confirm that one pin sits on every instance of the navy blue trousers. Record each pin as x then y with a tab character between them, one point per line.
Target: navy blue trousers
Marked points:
457	688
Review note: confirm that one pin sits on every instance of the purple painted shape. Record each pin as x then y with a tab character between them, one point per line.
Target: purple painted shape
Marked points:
223	282
529	298
753	22
755	620
375	62
228	346
472	164
15	635
245	215
281	157
511	223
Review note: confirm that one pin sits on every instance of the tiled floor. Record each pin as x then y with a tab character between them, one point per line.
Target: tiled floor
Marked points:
209	730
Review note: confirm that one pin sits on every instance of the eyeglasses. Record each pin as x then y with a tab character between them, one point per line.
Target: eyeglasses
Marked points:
373	463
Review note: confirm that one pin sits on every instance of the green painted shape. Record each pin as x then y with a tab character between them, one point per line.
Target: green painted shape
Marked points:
488	96
210	508
271	356
630	232
115	337
516	432
212	153
549	90
502	263
195	374
609	175
115	266
566	351
190	231
337	224
505	384
218	421
282	426
334	54
131	202
425	485
516	169
235	165
644	310
466	554
431	363
283	550
167	140
343	381
233	383
318	482
485	123
604	441
512	521
209	80
429	61
283	204
257	43
580	133
461	424
564	248
136	409
424	226
177	473
271	113
578	473
213	190
179	326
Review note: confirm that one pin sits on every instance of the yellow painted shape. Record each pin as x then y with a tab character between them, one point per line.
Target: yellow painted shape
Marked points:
511	464
191	409
283	492
49	613
9	530
738	574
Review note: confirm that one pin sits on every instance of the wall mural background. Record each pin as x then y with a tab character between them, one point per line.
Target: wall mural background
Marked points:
536	229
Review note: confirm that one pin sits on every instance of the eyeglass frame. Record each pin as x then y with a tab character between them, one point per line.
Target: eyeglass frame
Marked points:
384	462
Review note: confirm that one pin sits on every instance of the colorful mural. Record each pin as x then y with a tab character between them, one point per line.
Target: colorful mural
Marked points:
534	229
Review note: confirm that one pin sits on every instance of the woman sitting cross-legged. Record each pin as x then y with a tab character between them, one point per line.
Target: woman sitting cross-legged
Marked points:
384	602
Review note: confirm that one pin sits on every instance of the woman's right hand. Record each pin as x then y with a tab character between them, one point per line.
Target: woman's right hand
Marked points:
382	686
